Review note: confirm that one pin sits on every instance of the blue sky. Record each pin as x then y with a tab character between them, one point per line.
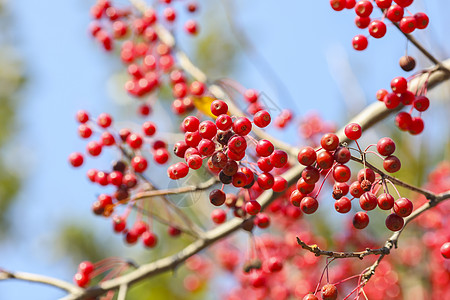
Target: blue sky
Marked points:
68	71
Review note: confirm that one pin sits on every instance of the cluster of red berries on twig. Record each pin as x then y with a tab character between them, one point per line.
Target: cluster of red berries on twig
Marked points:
395	12
149	61
400	95
224	145
331	159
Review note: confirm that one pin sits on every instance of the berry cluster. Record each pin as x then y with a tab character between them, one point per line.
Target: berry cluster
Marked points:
400	95
149	61
394	12
225	145
331	159
125	173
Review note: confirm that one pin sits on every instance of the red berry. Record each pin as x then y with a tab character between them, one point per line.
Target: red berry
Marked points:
296	197
362	22
307	156
416	125
242	126
115	178
279	185
149	128
275	264
329	142
325	160
192	138
353	131
104	120
265	181
180	148
224	122
311	296
341	173
219	107
445	250
395	13
385	146
343	205
407	24
94	148
391	100
329	292
239	179
381	94
264	164
368	201
391	164
394	222
377	29
342	155
139	164
349	4
218	216
360	42
76	159
262	119
251	95
403	207
363	8
206	147
303	187
197	88
86	268
422	20
310	175
237	144
399	85
383	3
191	26
84	131
385	201
119	223
278	158
81	279
107	139
82	116
421	103
403	120
207	130
149	239
134	140
161	156
366	174
338	5
309	205
178	170
169	14
264	148
407	98
360	220
252	207
404	3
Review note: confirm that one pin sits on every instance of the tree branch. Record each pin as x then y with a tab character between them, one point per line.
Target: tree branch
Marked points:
63	285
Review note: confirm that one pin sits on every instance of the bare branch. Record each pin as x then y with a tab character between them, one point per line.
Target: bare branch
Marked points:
30	277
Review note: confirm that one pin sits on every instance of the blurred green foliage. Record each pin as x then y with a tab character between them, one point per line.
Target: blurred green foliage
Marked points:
11	81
